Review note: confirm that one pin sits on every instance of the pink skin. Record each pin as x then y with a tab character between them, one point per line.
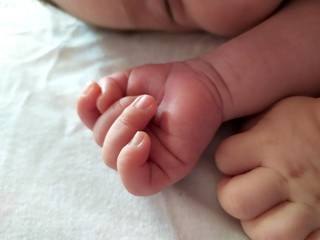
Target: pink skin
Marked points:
215	16
175	110
184	104
194	97
273	171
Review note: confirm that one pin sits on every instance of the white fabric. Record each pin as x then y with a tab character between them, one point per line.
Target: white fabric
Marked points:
53	183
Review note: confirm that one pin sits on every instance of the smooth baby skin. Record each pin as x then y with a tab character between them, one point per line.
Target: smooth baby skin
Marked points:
215	16
180	119
242	77
273	172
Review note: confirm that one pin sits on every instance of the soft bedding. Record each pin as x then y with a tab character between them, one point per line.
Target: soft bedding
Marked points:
53	183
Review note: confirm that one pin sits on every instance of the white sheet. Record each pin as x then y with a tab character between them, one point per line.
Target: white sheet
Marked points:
53	183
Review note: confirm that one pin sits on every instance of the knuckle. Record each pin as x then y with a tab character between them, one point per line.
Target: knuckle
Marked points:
126	120
239	207
233	204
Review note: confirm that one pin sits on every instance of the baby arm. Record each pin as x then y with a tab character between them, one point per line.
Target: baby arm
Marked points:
278	58
190	99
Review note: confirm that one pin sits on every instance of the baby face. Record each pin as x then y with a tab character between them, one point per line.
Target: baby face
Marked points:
216	16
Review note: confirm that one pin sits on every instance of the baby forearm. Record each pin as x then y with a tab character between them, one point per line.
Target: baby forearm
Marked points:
278	58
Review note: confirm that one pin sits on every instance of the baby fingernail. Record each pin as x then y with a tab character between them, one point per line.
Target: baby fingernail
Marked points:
88	89
143	102
137	139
